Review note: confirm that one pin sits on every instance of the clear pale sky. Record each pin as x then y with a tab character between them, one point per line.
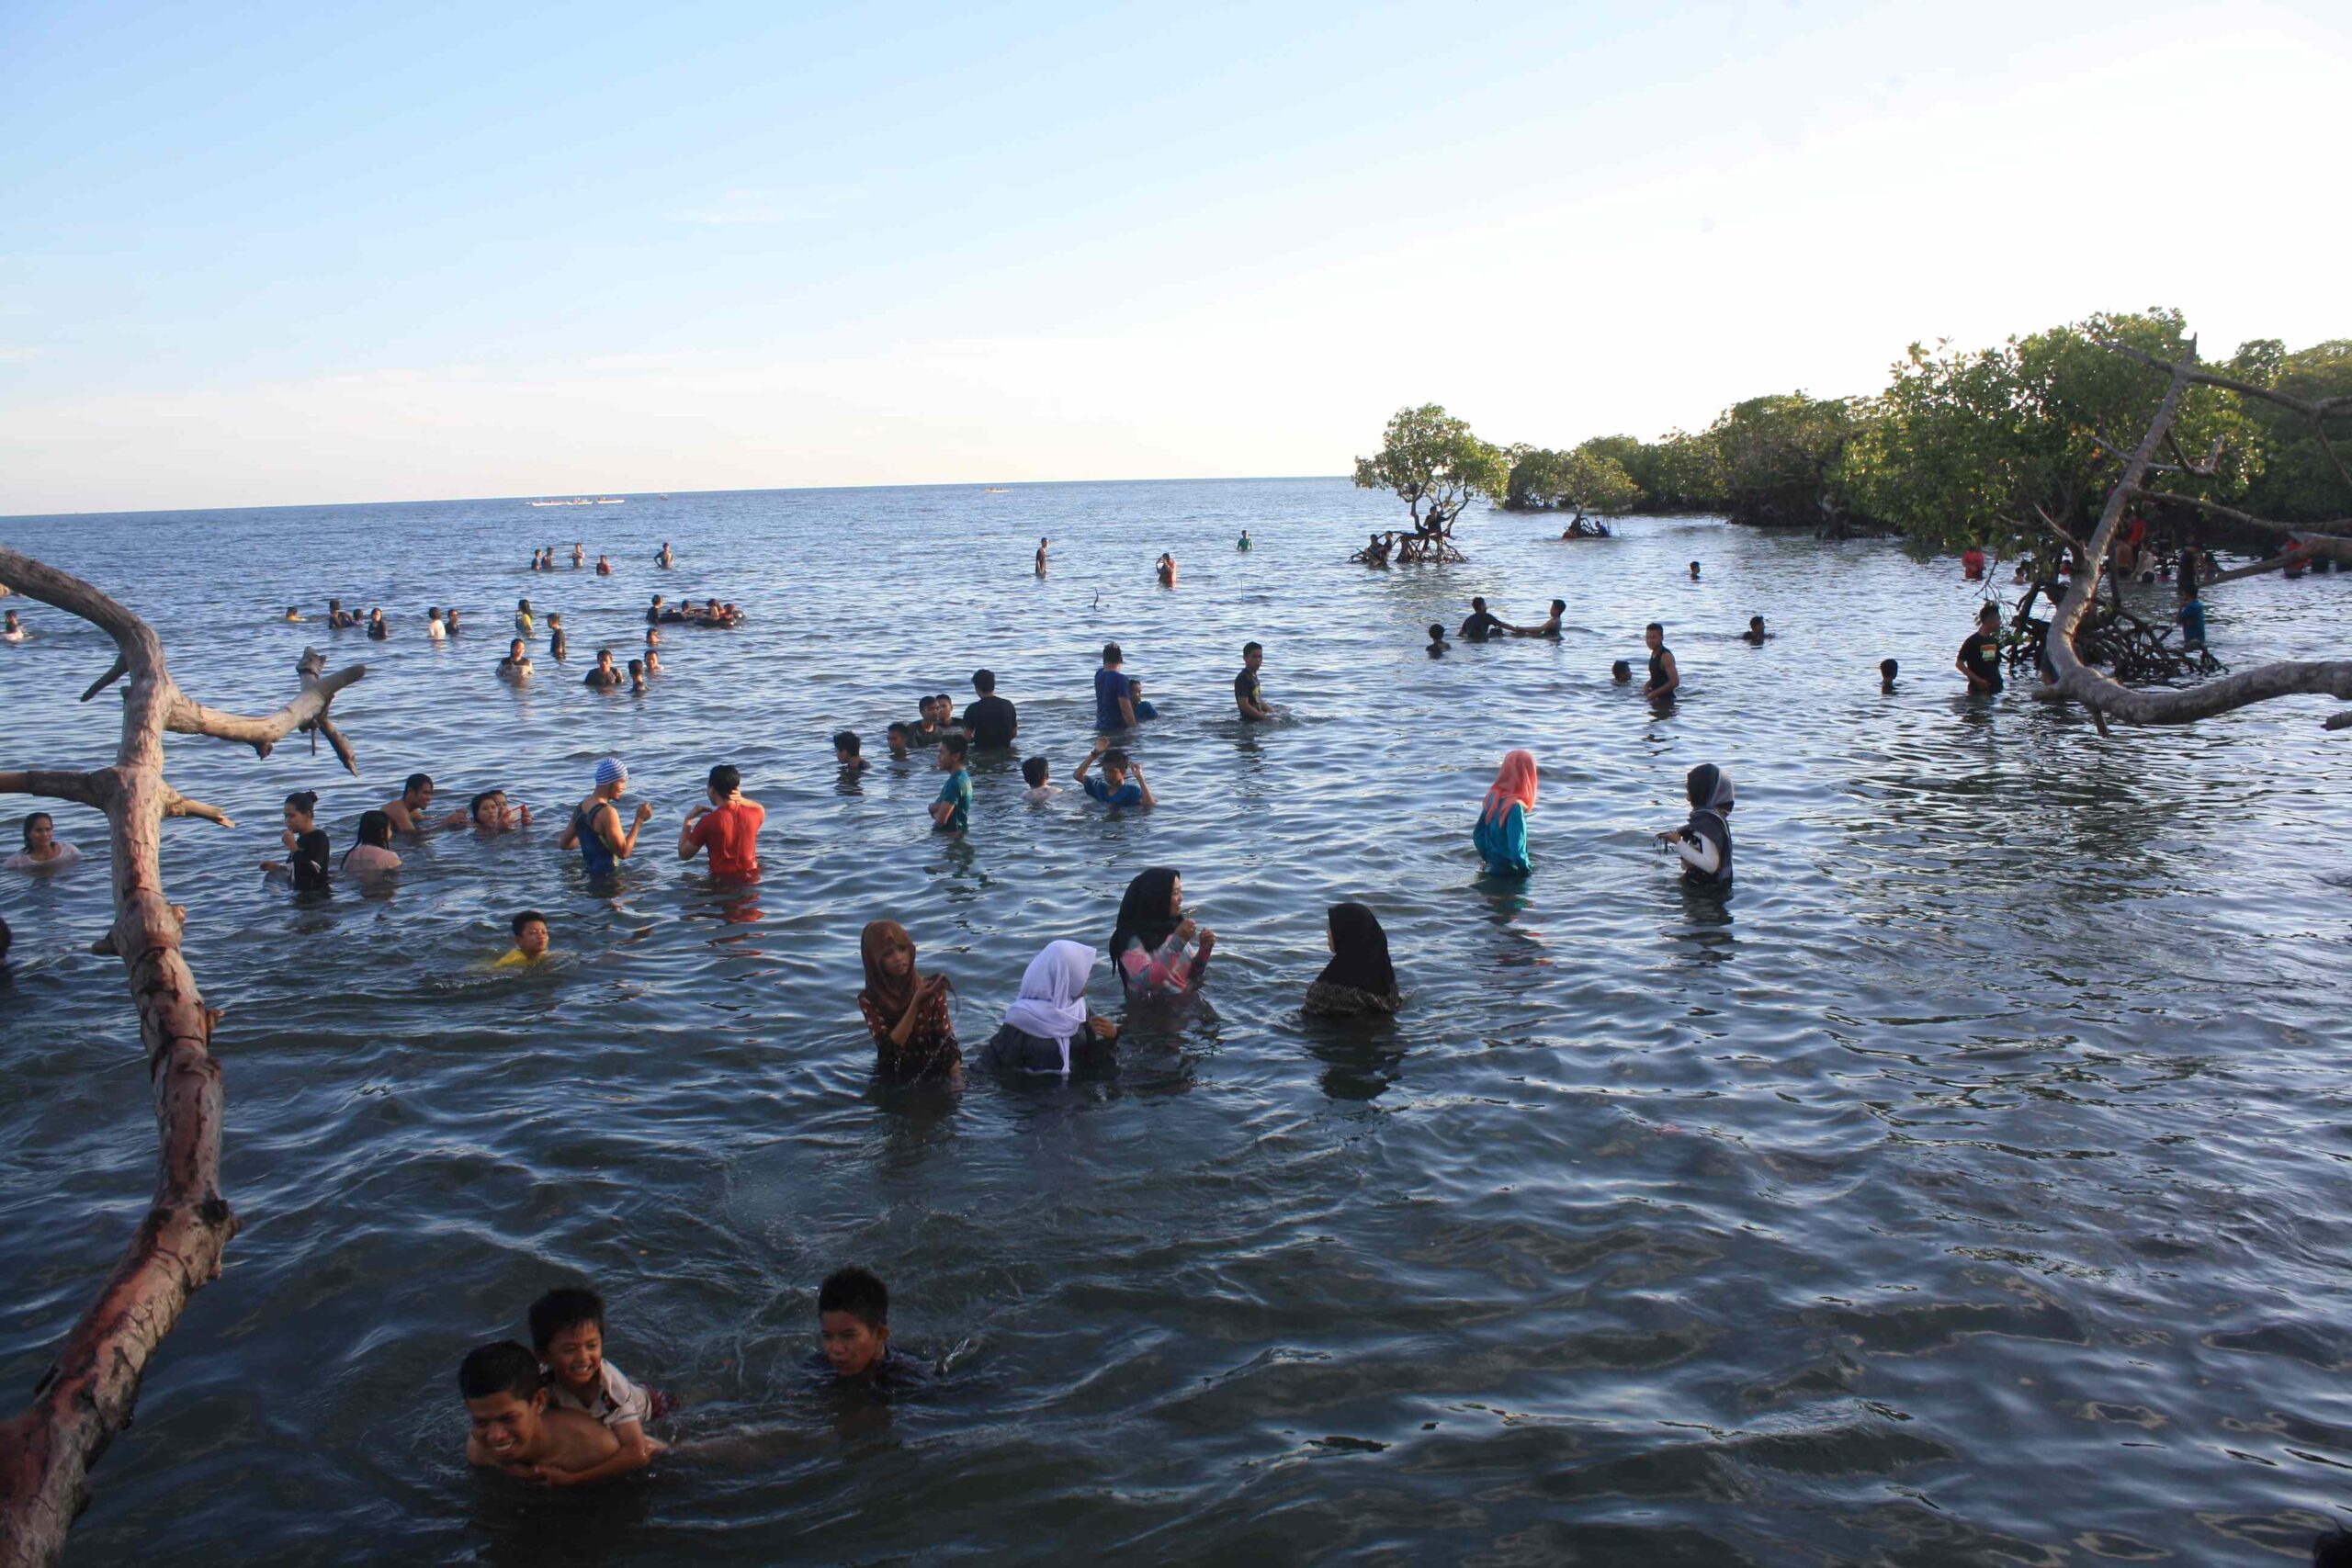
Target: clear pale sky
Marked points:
270	253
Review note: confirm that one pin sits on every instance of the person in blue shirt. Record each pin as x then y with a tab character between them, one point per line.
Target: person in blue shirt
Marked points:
1500	835
1122	783
952	812
2192	621
1115	706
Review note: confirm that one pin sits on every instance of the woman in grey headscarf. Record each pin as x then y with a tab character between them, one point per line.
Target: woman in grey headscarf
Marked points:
1703	843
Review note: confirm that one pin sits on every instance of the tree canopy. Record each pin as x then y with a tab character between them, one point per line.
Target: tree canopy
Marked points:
1435	465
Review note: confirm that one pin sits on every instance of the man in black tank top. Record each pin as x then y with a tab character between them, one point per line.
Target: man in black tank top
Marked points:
1665	678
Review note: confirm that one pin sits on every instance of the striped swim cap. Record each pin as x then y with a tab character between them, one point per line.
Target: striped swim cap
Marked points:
610	772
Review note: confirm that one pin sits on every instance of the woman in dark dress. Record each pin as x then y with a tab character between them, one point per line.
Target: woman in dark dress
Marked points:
1358	981
1048	1032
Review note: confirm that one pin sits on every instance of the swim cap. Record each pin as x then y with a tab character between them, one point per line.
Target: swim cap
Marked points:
610	772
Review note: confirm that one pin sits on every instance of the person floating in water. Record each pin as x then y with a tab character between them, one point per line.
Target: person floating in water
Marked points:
853	1328
1149	942
1359	982
1500	835
1166	565
1437	639
1666	676
1755	635
406	812
1244	543
1694	571
293	615
1887	671
1621	672
489	813
1703	843
849	752
1478	625
513	1428
1039	774
1247	696
1050	1031
1980	655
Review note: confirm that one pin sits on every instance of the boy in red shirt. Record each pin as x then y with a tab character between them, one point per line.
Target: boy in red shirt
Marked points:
729	827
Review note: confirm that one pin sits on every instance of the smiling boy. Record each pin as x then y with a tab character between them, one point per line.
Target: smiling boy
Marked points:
514	1430
567	1332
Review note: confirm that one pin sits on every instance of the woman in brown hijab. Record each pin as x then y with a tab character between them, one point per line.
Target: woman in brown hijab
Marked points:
905	1011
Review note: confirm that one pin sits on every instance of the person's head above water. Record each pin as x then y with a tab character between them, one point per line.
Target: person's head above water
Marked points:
489	808
725	780
515	651
1756	623
847	745
1694	568
1036	771
1559	606
1115	764
1988	615
417	792
530	929
1887	669
1654	634
1437	631
302	804
1620	670
1150	912
39	829
1253	654
1709	788
953	751
375	828
1359	951
854	1319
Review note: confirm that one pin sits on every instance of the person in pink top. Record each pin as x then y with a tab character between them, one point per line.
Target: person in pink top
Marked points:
1149	944
729	828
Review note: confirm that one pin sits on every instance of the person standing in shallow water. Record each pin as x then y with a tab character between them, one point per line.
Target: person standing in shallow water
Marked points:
1148	944
1247	694
1500	834
595	825
1041	555
1666	676
1358	981
906	1011
1980	656
1703	843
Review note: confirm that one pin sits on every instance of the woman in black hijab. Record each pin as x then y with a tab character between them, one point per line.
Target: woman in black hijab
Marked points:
1149	941
1358	981
1703	843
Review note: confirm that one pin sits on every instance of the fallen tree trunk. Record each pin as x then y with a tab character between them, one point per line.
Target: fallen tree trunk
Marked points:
87	1394
2109	699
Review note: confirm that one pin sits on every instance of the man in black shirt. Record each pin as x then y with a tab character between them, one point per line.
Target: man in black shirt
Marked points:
1245	694
991	721
1980	656
1478	625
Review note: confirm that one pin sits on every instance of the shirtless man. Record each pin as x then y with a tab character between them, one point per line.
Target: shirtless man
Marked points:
1041	555
514	1431
416	798
1551	626
1167	567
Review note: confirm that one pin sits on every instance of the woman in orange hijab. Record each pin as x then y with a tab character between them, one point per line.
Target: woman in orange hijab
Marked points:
1502	833
906	1011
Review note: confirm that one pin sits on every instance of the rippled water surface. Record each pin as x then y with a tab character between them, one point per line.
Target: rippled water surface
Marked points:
1966	1187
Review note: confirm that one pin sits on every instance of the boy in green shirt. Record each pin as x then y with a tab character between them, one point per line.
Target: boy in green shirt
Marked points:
953	810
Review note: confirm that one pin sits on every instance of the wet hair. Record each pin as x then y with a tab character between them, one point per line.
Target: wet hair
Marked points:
637	669
1478	603
1621	671
726	778
305	801
417	782
1754	620
375	828
1111	654
847	740
1559	606
566	1306
474	810
1250	648
502	1368
38	817
515	650
857	1292
1654	627
1887	669
984	682
955	746
1035	769
1694	566
904	732
517	924
524	605
1114	758
1437	631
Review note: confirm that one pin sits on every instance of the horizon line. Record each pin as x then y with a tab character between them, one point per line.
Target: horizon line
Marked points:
656	495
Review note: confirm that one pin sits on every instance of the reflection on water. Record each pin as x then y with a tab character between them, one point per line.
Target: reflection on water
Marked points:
1986	1133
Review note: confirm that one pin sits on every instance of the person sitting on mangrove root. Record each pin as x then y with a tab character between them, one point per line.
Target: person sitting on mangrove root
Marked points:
517	666
1887	671
377	630
1437	639
1248	696
905	1011
1666	676
1979	658
1358	981
406	813
489	813
1050	1031
1500	834
1166	566
1149	942
43	850
1376	553
513	1428
1621	673
1703	843
1478	625
530	928
373	853
1755	635
606	676
307	849
1551	626
595	825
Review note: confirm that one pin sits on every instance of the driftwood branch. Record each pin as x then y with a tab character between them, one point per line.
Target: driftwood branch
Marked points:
2109	699
86	1396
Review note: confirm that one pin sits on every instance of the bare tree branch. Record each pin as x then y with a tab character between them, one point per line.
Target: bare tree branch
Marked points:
2317	538
85	1398
116	671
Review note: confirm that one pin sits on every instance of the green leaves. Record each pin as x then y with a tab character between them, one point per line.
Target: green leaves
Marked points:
1435	465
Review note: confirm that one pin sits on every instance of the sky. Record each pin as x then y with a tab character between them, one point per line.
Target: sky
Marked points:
269	255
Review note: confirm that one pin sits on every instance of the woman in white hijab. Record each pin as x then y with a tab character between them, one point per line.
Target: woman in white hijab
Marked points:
1049	1030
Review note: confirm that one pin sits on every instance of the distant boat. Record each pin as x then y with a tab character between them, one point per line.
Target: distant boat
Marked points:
610	501
993	490
665	497
582	501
